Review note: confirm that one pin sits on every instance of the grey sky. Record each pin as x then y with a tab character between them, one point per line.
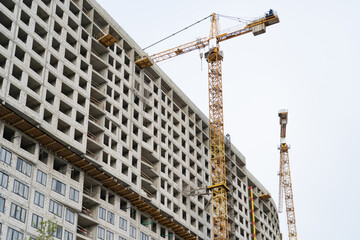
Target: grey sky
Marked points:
308	63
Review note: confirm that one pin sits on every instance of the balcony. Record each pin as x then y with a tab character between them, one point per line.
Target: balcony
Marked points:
84	233
87	218
148	168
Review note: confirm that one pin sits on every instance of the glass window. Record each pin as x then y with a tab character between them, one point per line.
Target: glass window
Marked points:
36	221
133	213
39	199
68	235
23	167
109	235
41	177
21	189
2	204
17	212
121	238
111	217
102	213
74	194
122	223
58	232
132	231
143	236
12	234
5	156
69	216
58	186
4	179
101	233
55	208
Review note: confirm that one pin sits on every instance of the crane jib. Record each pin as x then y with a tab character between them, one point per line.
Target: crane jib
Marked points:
256	26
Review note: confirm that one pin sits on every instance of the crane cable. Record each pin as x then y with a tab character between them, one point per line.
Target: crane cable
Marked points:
234	18
177	32
229	17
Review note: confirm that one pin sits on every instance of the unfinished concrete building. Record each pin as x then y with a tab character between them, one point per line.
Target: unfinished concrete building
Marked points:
102	148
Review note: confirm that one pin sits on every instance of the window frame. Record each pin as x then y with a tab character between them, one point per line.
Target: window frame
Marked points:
74	194
132	231
109	235
38	225
23	167
41	177
69	216
111	217
40	200
67	233
4	177
18	212
12	232
123	223
2	204
102	212
21	189
143	236
58	186
5	156
58	232
102	232
55	208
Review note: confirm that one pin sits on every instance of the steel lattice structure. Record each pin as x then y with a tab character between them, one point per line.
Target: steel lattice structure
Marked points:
285	187
252	213
217	145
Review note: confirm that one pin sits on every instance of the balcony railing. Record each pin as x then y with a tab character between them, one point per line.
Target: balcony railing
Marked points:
147	161
146	176
97	103
88	192
87	212
147	193
92	136
84	231
95	120
91	154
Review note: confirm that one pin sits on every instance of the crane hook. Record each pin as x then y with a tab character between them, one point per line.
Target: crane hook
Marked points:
201	57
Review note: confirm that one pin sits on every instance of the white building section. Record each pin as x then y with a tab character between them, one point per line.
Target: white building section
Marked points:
103	148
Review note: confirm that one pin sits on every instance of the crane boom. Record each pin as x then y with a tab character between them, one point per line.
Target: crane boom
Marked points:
285	177
256	26
214	58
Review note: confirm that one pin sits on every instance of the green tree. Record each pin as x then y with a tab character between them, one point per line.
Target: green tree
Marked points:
46	230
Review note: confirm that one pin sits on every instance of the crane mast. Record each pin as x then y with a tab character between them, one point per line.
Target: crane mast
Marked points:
217	147
285	178
252	213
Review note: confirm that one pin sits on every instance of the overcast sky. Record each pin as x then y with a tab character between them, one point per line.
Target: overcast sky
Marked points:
308	63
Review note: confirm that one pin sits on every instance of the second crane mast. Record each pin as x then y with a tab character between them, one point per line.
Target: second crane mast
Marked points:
285	185
214	58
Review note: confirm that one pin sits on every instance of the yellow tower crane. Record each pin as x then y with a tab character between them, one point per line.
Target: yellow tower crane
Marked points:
214	58
285	185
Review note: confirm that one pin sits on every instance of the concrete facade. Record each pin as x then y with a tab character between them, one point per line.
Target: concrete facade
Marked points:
134	125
